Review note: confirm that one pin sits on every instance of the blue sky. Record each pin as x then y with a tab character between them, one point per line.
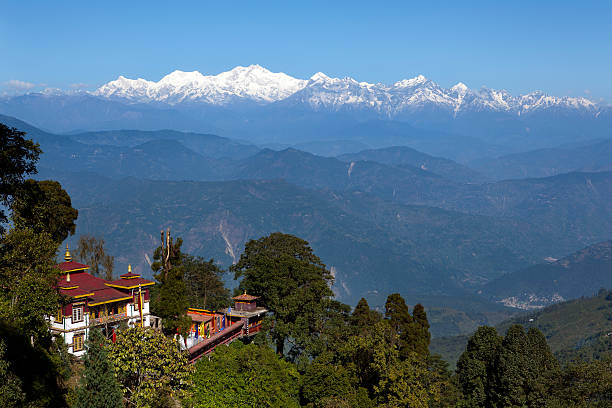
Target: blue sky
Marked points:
560	47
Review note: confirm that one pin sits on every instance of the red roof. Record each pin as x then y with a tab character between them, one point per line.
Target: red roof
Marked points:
200	318
82	282
129	275
245	297
130	283
72	266
107	295
75	292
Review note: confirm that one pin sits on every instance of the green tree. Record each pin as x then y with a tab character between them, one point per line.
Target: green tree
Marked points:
204	284
363	318
27	281
522	368
583	384
90	250
98	387
11	393
150	367
44	206
475	366
412	331
245	376
420	328
169	300
292	283
18	158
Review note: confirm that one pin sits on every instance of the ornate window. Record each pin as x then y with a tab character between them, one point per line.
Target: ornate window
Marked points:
77	342
77	314
59	315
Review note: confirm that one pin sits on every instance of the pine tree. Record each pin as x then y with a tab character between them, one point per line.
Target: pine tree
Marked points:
421	327
170	298
363	318
474	368
99	387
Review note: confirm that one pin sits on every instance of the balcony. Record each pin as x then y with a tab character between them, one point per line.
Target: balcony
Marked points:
108	319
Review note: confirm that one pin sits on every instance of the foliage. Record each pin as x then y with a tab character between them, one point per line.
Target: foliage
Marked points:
292	283
584	384
18	157
412	331
11	394
29	373
475	366
241	375
169	300
27	280
204	284
44	206
98	387
149	367
90	250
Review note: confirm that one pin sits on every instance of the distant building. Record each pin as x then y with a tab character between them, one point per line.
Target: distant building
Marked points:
210	329
95	302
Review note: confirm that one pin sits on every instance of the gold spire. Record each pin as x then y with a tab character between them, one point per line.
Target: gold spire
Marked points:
67	256
129	268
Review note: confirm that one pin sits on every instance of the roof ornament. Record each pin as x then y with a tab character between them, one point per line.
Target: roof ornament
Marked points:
67	256
129	268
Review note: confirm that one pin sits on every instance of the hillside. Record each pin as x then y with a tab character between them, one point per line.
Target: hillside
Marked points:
577	327
587	157
579	274
405	156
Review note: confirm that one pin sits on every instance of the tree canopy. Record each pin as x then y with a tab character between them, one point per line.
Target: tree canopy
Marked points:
44	206
150	367
292	283
203	283
169	300
18	158
90	250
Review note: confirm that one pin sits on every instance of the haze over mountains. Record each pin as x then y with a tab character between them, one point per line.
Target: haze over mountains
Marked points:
254	104
446	195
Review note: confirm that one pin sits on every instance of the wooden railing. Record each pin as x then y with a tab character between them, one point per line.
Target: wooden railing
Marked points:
108	319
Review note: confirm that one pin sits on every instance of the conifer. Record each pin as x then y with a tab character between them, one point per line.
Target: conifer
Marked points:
99	387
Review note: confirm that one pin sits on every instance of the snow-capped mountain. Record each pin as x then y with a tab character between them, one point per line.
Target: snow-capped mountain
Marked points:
253	83
320	92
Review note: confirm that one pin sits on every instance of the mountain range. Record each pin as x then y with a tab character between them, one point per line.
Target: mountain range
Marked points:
258	106
257	84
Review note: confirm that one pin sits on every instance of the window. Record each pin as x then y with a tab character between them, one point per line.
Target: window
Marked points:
59	316
77	314
77	342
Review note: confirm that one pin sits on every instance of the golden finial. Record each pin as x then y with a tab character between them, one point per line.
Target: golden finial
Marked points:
129	268
244	292
67	256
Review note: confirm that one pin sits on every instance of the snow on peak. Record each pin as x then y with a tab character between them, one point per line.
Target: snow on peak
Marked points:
460	87
252	83
319	76
258	84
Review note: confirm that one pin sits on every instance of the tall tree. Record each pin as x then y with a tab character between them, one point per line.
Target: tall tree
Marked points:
18	158
90	250
363	318
98	387
292	282
420	328
150	367
475	366
204	284
170	301
44	206
27	281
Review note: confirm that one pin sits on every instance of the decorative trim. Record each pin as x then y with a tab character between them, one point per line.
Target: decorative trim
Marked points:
111	301
129	287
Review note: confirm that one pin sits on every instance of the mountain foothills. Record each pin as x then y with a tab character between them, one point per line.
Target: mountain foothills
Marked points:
576	329
408	220
312	237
